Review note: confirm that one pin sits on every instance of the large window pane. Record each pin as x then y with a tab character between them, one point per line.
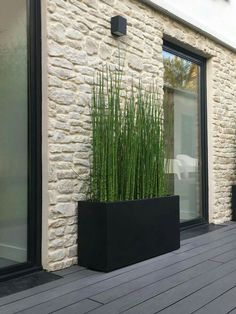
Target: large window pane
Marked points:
13	132
181	99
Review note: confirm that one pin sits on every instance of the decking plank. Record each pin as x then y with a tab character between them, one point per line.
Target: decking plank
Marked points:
81	307
204	245
233	311
171	277
172	296
68	271
208	237
223	304
204	296
55	299
225	257
138	287
228	237
129	299
89	276
45	287
202	242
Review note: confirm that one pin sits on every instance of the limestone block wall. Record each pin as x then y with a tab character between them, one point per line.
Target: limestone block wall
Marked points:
79	42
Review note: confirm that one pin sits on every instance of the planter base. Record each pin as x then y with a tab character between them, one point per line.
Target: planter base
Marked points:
116	234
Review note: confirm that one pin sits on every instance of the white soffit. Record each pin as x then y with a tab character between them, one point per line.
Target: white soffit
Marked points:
214	18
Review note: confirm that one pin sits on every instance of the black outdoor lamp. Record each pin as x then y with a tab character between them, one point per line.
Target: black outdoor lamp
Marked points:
118	25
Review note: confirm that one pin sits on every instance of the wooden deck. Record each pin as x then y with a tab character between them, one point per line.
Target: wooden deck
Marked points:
198	278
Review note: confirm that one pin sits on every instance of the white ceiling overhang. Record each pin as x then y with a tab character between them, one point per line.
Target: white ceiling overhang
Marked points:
213	18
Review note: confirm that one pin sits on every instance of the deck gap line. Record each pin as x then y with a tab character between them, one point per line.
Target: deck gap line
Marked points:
220	295
224	253
64	307
204	244
150	284
90	297
72	281
206	250
195	292
200	237
212	260
99	281
231	310
31	295
118	286
181	298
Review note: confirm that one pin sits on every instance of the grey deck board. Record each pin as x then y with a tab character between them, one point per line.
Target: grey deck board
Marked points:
48	286
221	305
150	279
73	291
225	257
211	236
204	296
203	242
167	292
130	299
172	296
199	277
90	277
80	307
68	271
233	311
88	292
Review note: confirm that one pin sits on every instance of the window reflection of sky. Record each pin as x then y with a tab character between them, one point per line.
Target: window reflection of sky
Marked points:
167	55
171	56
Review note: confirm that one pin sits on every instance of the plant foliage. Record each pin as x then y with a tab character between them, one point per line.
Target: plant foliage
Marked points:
180	73
128	155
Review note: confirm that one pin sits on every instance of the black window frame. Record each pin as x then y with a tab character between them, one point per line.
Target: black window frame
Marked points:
34	146
201	61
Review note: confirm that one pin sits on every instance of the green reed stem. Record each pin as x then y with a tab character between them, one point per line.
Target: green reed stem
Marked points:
128	145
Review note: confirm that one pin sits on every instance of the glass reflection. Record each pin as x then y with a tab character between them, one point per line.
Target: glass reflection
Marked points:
181	100
13	132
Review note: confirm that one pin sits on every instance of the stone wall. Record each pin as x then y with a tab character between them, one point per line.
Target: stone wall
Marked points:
79	43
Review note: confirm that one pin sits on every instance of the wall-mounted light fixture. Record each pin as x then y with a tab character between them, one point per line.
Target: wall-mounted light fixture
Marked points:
118	25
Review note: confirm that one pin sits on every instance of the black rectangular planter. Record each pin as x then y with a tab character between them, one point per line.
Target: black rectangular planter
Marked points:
116	234
233	202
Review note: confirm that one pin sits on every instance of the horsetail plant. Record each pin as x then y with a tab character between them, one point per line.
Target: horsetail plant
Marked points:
128	150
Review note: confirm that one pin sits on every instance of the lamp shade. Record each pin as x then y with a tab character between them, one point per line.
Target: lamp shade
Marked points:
118	25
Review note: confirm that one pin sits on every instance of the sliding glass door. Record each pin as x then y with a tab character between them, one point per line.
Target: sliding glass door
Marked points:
17	208
13	132
184	122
